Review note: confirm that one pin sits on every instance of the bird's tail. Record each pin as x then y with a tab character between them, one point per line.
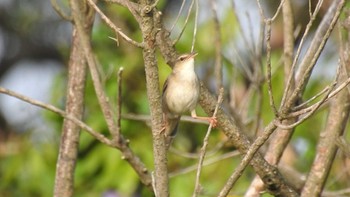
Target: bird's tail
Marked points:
171	130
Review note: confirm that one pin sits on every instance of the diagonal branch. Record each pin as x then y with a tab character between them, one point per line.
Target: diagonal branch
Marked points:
107	111
62	113
117	30
308	62
69	144
205	144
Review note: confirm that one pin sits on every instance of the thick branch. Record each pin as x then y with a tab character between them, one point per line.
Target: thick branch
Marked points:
281	137
149	31
69	145
107	111
327	146
272	179
307	64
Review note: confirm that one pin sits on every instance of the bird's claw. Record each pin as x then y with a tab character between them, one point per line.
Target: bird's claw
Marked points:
213	121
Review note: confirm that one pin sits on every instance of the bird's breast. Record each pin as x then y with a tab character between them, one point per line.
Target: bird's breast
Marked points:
183	96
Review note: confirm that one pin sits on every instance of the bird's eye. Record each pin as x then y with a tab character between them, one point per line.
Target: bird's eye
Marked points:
182	58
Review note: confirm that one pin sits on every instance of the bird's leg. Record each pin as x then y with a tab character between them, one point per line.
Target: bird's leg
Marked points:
211	120
162	131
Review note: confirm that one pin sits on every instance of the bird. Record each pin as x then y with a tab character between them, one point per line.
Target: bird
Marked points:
181	92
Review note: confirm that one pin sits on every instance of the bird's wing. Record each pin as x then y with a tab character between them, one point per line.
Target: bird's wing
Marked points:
165	86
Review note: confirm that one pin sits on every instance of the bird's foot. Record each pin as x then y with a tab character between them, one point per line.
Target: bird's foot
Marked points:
212	121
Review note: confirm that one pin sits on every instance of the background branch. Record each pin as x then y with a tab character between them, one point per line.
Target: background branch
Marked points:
69	145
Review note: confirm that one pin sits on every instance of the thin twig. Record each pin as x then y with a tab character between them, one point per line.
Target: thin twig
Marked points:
268	63
332	94
195	26
116	29
218	46
205	163
60	11
119	100
249	45
146	118
154	4
314	108
186	21
304	104
291	76
56	110
178	15
238	60
343	146
197	155
246	159
262	13
205	144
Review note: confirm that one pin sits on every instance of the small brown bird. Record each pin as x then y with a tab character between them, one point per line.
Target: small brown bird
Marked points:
180	95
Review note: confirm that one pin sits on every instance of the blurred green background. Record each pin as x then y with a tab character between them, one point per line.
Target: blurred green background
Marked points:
32	31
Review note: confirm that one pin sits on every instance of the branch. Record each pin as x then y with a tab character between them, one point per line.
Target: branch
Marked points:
205	163
281	137
197	189
328	97
218	46
178	15
69	144
273	180
149	27
195	25
119	100
186	21
117	30
128	155
118	139
343	146
327	147
268	63
231	127
62	113
60	11
290	85
312	111
307	64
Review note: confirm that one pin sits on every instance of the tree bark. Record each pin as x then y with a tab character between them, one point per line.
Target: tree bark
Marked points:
64	180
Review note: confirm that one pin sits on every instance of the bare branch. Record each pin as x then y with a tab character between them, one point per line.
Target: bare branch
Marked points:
307	64
117	30
186	21
178	15
119	100
268	63
197	189
291	76
326	148
262	14
343	146
147	118
69	144
233	130
313	110
249	45
218	46
195	26
280	139
60	11
331	95
107	111
205	163
56	110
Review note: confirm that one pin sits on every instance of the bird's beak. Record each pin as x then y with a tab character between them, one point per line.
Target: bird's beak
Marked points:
193	54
